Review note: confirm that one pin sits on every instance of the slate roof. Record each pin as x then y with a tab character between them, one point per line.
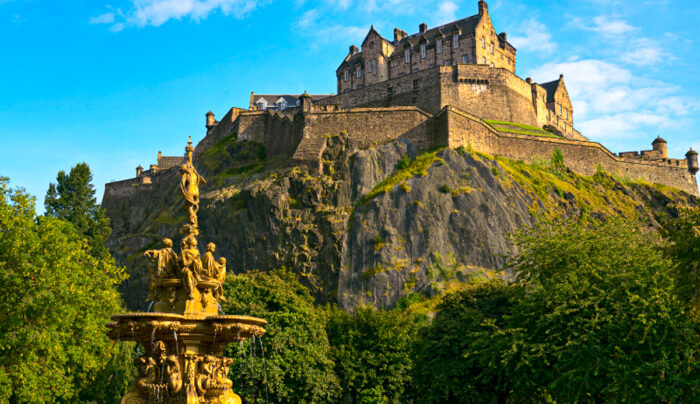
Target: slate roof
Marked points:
271	99
551	88
465	25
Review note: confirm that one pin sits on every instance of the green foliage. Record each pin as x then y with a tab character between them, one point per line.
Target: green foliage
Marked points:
683	234
229	157
403	163
72	198
404	171
519	128
297	366
557	158
494	171
57	297
372	351
601	312
459	353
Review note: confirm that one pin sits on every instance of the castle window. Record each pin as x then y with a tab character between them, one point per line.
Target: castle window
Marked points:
483	42
465	59
407	55
359	71
455	41
447	62
483	61
439	45
347	75
492	48
492	65
423	52
371	66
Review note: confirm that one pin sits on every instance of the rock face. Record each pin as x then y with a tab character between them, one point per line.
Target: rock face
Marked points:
374	224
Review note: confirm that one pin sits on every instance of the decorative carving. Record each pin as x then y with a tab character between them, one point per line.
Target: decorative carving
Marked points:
189	185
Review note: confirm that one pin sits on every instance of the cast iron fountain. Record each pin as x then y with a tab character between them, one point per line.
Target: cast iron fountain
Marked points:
184	337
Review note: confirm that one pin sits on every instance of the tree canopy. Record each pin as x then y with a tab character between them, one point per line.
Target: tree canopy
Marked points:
57	298
297	364
72	198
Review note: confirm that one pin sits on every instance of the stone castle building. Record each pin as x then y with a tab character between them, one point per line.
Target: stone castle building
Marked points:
453	85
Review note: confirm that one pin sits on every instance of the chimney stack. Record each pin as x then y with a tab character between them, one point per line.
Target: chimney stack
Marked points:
423	27
399	34
483	8
353	49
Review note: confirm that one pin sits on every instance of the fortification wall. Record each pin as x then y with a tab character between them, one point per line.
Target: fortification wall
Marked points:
366	126
225	127
420	89
581	156
489	93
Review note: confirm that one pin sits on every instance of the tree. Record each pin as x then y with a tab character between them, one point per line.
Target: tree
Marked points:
372	350
294	362
599	320
57	298
72	198
683	234
459	354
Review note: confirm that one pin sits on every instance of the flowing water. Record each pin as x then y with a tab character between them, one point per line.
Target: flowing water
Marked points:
150	306
177	349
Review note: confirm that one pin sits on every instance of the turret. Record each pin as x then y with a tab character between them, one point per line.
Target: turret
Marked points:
139	170
160	155
483	8
692	158
210	120
659	145
305	102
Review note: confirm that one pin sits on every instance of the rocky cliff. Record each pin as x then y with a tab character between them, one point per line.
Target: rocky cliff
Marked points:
374	224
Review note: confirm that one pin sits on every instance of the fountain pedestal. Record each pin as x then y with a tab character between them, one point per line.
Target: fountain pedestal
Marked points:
185	337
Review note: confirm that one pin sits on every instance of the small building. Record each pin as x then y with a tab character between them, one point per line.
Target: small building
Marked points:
278	102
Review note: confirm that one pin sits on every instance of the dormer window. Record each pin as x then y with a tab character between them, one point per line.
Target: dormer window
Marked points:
423	52
358	71
261	104
492	48
407	55
439	46
483	42
455	41
281	104
347	75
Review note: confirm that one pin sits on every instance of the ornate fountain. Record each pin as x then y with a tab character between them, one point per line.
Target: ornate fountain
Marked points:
184	337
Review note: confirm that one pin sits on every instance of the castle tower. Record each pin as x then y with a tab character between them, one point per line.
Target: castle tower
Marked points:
210	120
305	102
139	170
659	145
692	158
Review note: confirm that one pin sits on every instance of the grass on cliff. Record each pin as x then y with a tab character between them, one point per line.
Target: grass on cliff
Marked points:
405	170
519	128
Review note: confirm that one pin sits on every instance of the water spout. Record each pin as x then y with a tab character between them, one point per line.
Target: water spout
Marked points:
221	309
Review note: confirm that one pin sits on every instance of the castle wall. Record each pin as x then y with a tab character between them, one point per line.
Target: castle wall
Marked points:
222	129
582	157
366	126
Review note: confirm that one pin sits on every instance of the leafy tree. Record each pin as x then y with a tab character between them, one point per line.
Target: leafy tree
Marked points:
600	320
459	354
373	352
683	234
57	298
73	198
297	366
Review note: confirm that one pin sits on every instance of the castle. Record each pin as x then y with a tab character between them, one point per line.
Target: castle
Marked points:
453	85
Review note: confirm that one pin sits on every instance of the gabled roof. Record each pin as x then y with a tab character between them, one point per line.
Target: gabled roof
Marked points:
551	88
291	99
464	25
170	161
371	30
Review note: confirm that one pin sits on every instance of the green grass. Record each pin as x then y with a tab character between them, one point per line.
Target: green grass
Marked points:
519	128
405	170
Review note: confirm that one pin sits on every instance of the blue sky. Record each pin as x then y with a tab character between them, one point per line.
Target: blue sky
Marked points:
111	82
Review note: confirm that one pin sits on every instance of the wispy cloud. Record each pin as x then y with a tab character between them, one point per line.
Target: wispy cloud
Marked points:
532	35
158	12
446	12
605	25
611	103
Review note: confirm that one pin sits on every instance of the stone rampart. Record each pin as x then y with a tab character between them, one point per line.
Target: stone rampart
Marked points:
366	126
584	157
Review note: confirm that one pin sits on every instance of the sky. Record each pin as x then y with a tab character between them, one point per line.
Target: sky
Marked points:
112	82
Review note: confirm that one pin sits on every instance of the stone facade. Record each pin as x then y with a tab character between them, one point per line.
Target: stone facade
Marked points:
415	88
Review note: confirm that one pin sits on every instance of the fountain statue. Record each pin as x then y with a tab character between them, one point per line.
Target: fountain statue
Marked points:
184	337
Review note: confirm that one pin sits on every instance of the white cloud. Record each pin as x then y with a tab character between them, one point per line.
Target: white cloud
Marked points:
532	35
158	12
308	19
446	12
608	26
612	103
106	18
645	52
